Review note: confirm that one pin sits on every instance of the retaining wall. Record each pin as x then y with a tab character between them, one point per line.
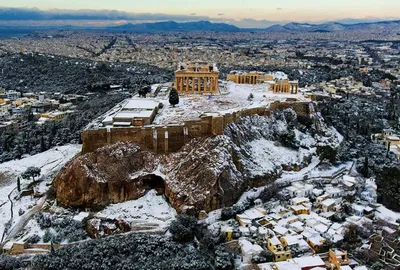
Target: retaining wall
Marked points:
170	138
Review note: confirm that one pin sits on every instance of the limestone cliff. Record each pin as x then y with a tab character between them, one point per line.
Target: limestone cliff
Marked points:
104	176
203	175
206	174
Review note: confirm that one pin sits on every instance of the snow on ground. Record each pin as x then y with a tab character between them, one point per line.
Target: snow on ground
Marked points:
50	162
338	135
31	228
236	98
150	208
267	155
312	171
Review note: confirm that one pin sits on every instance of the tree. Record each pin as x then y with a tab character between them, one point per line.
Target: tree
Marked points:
173	97
350	237
223	259
144	90
263	257
227	213
42	144
31	172
365	170
327	152
19	184
305	120
388	184
52	250
183	228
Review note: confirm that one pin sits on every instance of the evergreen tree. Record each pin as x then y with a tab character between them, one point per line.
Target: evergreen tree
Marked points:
19	184
52	250
42	144
183	228
365	168
173	97
31	172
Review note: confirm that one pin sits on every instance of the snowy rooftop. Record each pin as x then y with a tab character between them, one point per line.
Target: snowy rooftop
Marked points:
309	261
275	241
328	202
144	104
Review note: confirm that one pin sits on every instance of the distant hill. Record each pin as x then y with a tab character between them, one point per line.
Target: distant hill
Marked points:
174	26
294	27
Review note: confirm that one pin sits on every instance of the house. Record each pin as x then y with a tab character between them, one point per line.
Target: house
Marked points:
299	189
300	209
309	262
299	200
321	198
370	194
328	205
280	253
248	250
296	244
338	257
284	265
334	192
13	95
246	219
349	182
228	232
297	226
316	242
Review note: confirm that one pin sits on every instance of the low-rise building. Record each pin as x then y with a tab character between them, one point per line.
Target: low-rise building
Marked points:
136	112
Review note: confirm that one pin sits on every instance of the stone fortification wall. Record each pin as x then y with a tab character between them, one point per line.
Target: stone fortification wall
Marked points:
170	138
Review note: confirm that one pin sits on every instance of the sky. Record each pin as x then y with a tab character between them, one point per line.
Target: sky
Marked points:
283	10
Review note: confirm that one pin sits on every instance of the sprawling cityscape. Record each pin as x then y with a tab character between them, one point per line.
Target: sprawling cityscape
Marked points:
192	142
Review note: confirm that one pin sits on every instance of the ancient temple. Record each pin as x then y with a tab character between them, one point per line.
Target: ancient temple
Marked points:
196	78
253	77
285	86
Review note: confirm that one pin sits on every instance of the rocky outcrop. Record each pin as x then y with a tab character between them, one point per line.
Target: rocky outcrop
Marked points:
206	174
203	175
105	176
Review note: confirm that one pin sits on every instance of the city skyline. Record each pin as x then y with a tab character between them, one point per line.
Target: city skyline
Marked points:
287	10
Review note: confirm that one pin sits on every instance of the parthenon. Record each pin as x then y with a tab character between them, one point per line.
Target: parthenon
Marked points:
285	86
200	78
253	77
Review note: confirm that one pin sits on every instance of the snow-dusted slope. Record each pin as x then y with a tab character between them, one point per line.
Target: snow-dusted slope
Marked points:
49	162
151	208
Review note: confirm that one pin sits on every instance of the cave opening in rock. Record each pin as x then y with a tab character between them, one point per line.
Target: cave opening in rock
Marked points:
153	181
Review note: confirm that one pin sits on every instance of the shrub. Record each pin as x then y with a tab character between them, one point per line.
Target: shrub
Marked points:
183	228
34	239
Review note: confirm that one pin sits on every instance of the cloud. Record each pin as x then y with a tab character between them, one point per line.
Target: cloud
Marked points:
22	14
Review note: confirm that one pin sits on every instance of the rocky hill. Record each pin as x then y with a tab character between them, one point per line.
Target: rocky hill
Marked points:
207	173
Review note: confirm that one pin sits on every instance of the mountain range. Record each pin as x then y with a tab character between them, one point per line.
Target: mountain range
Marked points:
294	27
175	27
